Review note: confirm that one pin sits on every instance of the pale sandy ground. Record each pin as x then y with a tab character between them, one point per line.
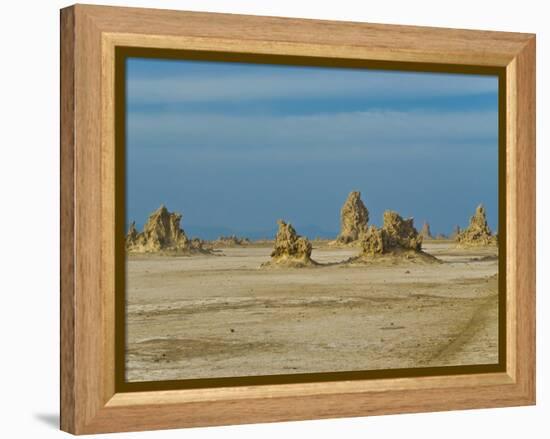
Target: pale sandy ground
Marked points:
222	316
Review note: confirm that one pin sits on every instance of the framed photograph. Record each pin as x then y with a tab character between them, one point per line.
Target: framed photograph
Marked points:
267	219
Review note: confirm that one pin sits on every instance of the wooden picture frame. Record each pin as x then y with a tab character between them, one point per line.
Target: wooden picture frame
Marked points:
90	399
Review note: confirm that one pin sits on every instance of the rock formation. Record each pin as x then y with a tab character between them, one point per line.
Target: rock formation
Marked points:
426	233
132	236
477	233
396	240
354	218
455	232
396	234
161	233
197	245
290	249
230	241
374	242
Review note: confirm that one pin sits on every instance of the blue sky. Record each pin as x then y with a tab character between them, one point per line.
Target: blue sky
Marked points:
236	146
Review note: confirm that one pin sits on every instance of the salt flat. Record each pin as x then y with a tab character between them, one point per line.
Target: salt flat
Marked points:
222	316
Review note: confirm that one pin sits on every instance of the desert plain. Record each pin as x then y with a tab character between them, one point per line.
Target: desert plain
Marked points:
222	315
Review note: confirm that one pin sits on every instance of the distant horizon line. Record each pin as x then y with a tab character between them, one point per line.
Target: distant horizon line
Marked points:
311	231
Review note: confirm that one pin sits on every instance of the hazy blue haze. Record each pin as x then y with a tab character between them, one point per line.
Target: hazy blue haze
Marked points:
236	146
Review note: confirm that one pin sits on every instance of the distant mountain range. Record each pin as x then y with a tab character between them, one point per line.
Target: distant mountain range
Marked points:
209	233
213	232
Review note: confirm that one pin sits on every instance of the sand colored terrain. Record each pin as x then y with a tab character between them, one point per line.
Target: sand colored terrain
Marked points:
221	315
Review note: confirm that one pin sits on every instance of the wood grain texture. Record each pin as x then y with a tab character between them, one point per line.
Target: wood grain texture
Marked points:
333	38
525	219
511	215
89	37
90	318
107	218
67	235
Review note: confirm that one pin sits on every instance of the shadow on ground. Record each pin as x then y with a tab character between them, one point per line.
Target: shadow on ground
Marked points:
50	419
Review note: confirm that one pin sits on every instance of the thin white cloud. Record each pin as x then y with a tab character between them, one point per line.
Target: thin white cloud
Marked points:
352	135
314	84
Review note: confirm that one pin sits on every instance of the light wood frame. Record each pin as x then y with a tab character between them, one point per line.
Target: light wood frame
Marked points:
89	36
